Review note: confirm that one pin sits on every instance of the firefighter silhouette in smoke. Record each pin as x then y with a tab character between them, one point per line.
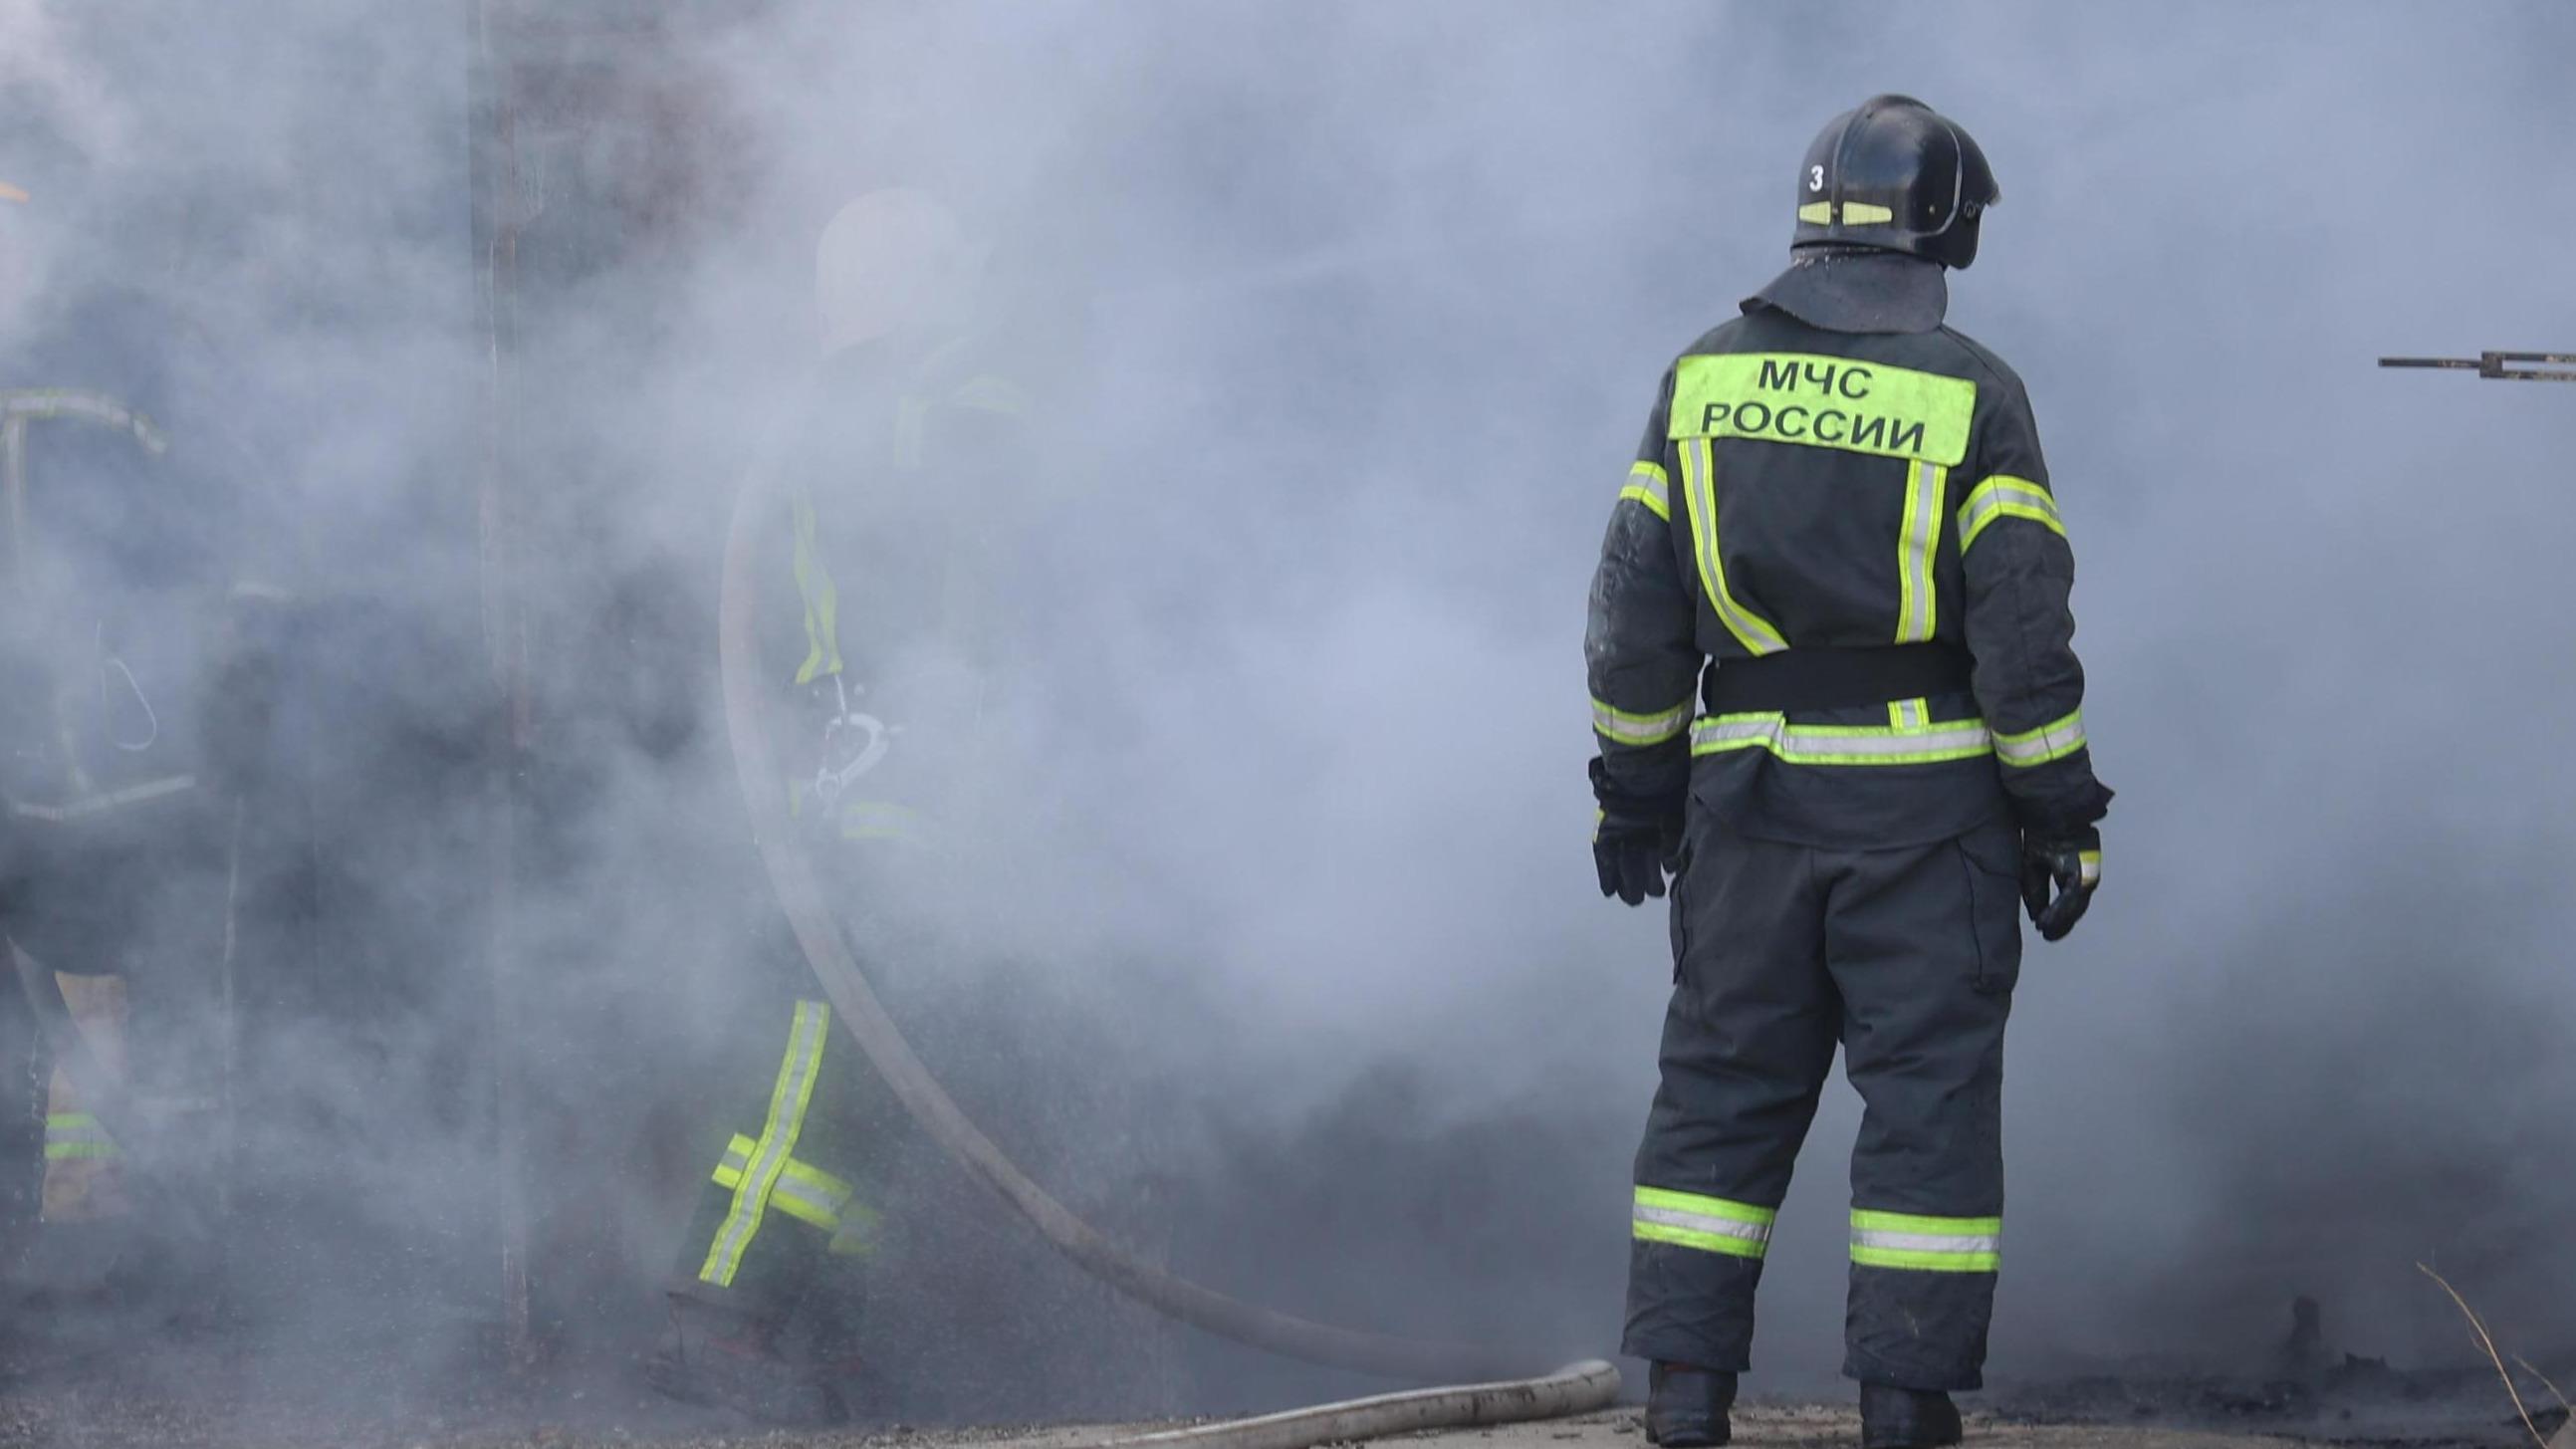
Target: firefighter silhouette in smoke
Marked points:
130	682
882	615
1835	695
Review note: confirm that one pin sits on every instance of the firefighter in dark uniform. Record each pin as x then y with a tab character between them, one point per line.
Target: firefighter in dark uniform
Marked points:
139	582
883	614
1836	699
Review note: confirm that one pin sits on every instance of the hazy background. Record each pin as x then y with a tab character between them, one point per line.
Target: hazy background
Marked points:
1348	317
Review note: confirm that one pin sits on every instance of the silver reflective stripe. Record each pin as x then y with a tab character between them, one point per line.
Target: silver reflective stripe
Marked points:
113	800
1918	603
821	1201
777	1140
2052	741
1957	1244
1805	744
1730	731
1827	744
1640	729
1703	1223
1648	485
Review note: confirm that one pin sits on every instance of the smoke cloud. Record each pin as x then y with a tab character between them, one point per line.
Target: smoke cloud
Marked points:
1277	947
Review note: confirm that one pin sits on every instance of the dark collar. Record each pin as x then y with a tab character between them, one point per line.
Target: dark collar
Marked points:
1859	291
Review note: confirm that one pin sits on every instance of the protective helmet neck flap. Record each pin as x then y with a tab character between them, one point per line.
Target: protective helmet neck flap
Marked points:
1895	175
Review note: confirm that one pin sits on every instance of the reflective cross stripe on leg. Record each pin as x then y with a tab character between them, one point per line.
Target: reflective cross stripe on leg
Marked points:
768	1158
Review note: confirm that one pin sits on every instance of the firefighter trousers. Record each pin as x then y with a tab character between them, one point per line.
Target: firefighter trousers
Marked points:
1907	958
786	1204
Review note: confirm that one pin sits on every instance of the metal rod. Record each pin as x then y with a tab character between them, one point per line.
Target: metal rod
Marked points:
2503	366
497	212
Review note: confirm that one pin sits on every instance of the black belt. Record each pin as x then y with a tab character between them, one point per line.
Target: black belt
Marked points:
1836	678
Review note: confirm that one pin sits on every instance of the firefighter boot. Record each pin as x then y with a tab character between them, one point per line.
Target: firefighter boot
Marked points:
1686	1407
714	1356
1894	1418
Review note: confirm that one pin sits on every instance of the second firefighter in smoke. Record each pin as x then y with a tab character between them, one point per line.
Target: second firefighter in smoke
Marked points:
882	615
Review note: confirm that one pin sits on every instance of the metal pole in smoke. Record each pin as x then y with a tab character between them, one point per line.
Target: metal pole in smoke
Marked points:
497	199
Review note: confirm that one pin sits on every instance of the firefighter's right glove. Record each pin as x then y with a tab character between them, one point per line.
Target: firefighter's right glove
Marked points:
1636	841
2059	873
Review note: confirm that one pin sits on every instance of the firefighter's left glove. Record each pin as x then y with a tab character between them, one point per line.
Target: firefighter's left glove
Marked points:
1636	842
2059	873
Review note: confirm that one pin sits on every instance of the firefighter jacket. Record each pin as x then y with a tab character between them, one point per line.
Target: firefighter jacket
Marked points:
890	606
1873	502
133	530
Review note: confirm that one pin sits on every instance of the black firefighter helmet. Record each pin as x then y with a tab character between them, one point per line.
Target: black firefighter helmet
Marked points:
1896	175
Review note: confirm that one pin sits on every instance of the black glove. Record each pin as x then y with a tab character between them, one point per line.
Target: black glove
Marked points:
2071	864
1636	842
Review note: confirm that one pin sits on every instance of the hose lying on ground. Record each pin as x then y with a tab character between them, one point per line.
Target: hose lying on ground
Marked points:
1575	1389
800	895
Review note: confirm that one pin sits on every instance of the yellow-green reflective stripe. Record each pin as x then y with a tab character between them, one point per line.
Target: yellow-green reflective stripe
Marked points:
803	1191
76	1134
810	1195
2054	740
1867	213
1918	605
788	1099
1640	729
1909	714
1842	744
737	1156
992	393
1927	1244
822	600
1711	1224
878	820
1824	402
1647	484
2089	866
1817	213
858	1234
1699	465
2004	496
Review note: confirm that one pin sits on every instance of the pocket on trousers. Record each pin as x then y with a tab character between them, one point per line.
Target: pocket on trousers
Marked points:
1678	893
1990	865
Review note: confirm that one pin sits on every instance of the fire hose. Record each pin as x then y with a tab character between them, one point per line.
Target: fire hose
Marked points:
1496	1390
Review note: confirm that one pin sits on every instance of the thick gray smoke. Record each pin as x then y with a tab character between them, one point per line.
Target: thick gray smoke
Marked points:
1282	952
